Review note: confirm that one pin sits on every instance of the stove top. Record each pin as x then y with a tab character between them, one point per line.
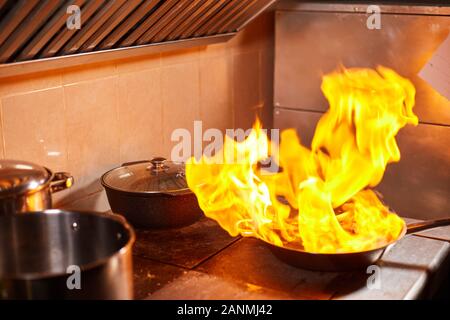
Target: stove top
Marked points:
202	261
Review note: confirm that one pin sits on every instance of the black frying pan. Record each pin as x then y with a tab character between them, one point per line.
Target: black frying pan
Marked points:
345	261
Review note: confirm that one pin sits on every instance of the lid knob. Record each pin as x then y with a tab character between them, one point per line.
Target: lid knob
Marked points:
157	175
158	163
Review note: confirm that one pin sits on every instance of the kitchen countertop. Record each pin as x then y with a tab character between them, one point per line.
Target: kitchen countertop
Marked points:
202	261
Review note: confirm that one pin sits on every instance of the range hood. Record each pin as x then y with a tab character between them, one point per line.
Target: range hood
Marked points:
34	35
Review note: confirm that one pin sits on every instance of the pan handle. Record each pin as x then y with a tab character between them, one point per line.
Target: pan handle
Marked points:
425	225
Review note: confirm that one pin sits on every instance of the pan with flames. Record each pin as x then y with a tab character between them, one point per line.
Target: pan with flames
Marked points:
319	210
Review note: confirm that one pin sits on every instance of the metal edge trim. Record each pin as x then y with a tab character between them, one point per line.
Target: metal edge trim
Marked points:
440	10
62	62
256	14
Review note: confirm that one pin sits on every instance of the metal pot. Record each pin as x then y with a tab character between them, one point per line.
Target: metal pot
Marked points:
25	186
57	254
152	194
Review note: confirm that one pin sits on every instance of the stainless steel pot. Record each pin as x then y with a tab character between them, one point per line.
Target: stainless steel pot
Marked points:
151	194
65	255
25	186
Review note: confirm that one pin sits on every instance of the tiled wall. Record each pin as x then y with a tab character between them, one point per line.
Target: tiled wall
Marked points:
89	119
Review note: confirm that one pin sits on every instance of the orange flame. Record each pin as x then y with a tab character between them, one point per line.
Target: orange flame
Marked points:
320	201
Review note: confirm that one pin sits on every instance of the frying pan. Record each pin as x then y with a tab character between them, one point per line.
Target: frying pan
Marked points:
346	261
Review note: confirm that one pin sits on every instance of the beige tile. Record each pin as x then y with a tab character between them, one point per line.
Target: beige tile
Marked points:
140	115
180	56
246	89
89	72
138	64
92	133
34	128
94	202
215	50
215	93
180	98
27	83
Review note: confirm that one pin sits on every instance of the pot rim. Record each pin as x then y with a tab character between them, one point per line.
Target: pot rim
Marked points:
181	192
85	267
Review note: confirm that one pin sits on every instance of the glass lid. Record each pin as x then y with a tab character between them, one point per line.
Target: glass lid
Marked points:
149	176
18	177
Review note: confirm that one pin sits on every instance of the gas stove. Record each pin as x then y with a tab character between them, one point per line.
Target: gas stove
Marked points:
202	261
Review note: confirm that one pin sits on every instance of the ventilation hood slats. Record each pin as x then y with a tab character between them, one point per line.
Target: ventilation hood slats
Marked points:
64	34
11	21
127	24
163	21
210	12
190	10
58	20
148	22
230	14
237	20
35	31
106	28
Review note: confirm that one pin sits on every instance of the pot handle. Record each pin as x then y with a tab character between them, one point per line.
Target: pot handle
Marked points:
134	162
425	225
61	181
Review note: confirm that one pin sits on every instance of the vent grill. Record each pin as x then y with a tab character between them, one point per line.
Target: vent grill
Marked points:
36	29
